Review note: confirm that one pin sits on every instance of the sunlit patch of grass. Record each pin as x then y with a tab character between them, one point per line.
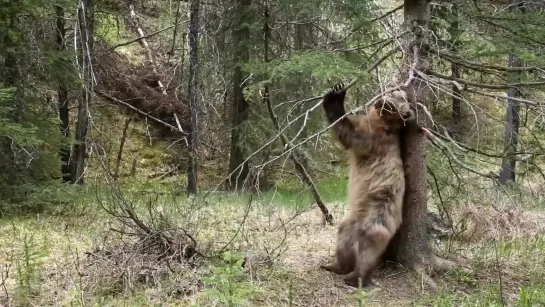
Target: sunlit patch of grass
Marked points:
527	296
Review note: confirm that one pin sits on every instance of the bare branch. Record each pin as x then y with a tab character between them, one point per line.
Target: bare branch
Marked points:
413	66
141	37
482	85
120	102
439	143
525	101
513	32
456	58
388	13
295	156
144	43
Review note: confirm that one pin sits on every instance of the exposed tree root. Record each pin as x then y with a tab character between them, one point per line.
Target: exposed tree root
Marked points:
445	265
434	265
425	279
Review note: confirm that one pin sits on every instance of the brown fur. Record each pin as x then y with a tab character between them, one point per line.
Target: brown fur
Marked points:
376	182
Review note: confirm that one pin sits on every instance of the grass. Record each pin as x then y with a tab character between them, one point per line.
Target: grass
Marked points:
53	260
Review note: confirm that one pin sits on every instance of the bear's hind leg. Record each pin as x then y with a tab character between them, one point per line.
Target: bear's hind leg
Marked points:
372	243
345	252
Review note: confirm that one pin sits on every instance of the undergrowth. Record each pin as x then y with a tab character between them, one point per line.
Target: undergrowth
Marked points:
275	248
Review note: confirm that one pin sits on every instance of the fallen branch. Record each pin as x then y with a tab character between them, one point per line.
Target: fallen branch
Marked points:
141	38
120	102
144	43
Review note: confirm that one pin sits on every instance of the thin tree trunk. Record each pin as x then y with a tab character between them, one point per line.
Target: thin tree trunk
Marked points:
85	33
410	247
63	101
456	104
11	73
237	167
193	94
121	145
455	72
512	116
512	122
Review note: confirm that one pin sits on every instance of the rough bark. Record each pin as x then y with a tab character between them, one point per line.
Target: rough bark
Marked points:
63	100
193	94
237	167
410	247
512	116
85	30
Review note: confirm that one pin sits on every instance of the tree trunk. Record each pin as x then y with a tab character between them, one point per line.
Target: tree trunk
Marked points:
85	29
121	146
512	121
237	167
11	75
512	117
410	246
63	101
456	104
193	94
454	31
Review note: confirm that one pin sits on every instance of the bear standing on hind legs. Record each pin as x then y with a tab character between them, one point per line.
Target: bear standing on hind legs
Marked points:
376	181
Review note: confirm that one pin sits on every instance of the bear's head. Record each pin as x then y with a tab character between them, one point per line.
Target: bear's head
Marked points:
394	108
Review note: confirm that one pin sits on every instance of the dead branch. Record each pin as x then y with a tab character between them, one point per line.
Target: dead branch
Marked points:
164	242
413	67
144	43
382	41
525	101
482	85
137	86
313	108
456	58
122	103
295	156
439	143
388	13
240	225
141	37
513	32
5	274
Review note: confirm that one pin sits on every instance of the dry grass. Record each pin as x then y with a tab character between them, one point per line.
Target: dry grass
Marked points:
80	262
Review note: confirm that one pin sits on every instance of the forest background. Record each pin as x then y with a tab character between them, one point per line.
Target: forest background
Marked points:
176	152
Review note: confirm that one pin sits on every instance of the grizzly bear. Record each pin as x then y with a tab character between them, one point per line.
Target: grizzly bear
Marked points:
376	180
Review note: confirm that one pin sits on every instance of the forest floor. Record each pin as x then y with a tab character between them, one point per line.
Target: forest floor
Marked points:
77	260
